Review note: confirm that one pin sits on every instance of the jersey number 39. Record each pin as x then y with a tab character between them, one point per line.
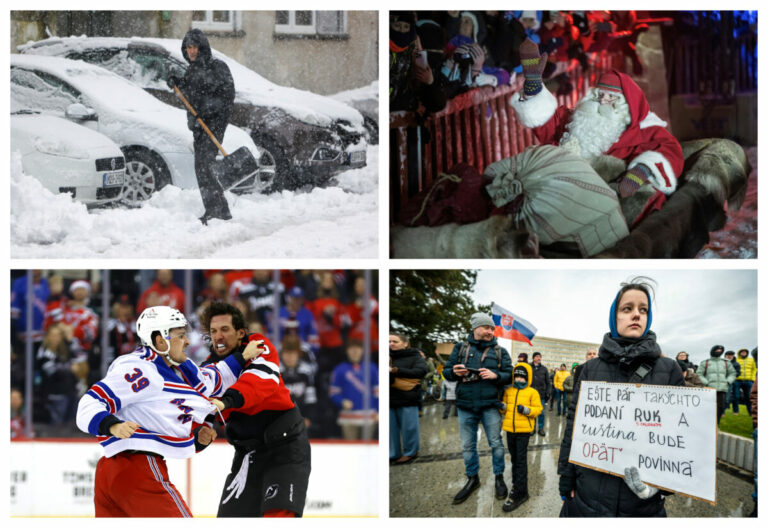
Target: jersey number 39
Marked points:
140	384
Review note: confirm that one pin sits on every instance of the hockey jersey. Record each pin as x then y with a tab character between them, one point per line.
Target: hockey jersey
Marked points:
166	403
83	320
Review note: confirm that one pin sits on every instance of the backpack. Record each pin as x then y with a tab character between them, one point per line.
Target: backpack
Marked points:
706	366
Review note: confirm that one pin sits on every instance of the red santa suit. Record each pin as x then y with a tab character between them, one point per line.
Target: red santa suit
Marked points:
645	141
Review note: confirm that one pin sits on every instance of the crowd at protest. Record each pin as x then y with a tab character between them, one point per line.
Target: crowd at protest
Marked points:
320	332
487	387
436	55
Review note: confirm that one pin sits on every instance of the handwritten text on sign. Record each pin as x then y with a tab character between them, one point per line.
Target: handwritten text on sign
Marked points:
668	433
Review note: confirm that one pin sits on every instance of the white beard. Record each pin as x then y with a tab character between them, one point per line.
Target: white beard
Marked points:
595	127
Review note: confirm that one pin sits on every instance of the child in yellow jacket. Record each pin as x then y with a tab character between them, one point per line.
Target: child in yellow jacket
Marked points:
522	406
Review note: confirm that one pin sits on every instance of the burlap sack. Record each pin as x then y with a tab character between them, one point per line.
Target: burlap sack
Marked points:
559	197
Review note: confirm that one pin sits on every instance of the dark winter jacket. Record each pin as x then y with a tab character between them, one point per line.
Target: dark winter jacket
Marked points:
479	394
541	381
207	85
600	494
410	365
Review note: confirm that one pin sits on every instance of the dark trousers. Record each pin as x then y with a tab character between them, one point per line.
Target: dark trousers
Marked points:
721	396
211	190
517	443
447	408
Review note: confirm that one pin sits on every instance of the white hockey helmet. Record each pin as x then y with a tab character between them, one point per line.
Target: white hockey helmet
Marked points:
159	319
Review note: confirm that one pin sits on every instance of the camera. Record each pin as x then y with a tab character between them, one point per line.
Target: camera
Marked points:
474	375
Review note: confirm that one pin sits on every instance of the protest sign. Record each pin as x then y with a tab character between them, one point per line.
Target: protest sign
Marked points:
668	433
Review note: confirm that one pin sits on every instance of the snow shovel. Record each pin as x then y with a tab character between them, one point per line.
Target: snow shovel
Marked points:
233	168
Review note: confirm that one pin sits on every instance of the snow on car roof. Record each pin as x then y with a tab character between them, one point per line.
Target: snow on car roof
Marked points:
251	87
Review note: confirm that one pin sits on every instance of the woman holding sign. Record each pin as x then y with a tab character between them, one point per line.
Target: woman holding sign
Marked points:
629	354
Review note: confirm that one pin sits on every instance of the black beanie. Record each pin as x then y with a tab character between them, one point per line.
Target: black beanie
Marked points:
524	356
521	372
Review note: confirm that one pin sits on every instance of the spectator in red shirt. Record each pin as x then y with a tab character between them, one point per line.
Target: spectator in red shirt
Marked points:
78	321
17	415
168	293
354	313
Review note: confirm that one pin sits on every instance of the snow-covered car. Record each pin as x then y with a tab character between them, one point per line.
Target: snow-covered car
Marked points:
311	137
153	136
68	158
366	101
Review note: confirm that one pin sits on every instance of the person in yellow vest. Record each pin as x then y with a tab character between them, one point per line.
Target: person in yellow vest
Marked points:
743	383
522	405
560	394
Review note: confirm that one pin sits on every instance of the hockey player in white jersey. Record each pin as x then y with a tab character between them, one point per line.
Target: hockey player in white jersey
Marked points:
151	405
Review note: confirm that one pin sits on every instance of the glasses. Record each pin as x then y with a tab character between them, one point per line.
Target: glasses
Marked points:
607	97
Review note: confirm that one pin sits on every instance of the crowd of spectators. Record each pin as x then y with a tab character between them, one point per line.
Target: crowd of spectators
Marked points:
320	328
436	55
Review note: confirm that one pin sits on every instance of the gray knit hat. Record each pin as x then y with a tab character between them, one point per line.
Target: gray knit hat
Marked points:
480	319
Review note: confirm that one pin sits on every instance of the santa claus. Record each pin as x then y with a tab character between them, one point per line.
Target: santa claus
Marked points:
612	127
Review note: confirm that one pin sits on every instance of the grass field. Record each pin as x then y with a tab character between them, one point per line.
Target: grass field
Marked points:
738	424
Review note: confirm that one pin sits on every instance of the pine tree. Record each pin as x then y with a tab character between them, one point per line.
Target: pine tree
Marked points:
432	306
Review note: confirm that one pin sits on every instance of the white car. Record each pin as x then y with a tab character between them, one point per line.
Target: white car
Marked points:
68	158
152	135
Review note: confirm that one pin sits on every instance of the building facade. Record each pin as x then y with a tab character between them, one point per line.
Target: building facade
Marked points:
321	51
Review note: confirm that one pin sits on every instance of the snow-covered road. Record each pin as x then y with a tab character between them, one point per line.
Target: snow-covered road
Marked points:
339	221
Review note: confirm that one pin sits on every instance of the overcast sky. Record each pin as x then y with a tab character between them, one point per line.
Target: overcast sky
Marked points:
692	311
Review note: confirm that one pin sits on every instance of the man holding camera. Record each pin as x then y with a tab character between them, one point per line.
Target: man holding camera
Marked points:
482	368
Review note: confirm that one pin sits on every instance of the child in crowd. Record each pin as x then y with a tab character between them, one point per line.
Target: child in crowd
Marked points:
521	407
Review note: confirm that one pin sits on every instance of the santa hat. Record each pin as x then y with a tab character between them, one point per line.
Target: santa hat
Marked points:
80	284
610	82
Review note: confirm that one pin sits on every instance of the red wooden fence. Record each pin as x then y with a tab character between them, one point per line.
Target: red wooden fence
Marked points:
477	127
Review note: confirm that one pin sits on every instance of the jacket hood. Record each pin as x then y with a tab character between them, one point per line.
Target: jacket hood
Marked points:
612	315
196	37
716	351
403	352
528	371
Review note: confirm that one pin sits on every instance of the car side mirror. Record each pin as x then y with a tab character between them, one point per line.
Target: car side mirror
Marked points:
80	112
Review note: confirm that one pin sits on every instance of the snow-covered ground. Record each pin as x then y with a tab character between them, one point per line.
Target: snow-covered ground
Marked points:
338	221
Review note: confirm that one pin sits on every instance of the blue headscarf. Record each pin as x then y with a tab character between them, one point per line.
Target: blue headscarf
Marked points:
612	317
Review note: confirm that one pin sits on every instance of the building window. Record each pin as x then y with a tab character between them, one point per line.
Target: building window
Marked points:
220	21
311	23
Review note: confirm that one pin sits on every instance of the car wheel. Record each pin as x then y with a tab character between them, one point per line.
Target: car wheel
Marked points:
144	174
284	178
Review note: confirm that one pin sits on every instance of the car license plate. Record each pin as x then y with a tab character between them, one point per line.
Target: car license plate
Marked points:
357	156
114	178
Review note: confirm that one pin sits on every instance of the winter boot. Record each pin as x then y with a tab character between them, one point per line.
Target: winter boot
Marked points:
501	488
472	484
514	503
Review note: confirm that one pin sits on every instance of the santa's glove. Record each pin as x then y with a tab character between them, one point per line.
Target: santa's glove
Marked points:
638	487
533	64
522	409
633	179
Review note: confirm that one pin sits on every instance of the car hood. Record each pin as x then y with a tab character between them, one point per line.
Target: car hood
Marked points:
250	87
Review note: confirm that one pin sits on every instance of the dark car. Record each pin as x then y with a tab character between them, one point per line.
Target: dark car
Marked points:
310	137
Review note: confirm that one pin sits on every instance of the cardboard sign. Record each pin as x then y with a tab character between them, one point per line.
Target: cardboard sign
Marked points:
668	433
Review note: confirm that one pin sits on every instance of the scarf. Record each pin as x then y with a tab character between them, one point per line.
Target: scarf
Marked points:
630	352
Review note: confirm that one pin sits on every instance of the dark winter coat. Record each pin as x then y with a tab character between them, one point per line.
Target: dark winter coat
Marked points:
600	494
541	381
480	394
207	85
409	364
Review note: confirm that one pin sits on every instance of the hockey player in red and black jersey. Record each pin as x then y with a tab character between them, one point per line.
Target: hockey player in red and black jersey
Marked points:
270	470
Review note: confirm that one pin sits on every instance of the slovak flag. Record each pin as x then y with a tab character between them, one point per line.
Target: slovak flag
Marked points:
510	326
